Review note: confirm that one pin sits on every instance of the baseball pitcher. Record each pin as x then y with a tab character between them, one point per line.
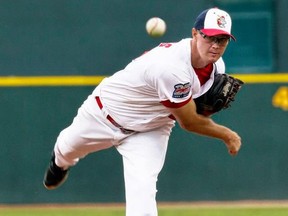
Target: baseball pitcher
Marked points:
135	110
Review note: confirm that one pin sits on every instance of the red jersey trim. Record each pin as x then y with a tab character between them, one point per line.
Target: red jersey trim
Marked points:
170	104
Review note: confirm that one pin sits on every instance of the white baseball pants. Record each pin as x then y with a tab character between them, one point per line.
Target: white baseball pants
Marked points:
143	154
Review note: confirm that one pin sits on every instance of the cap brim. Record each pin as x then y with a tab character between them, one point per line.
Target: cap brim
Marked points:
215	32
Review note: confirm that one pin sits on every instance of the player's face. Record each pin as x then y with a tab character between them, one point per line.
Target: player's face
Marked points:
211	48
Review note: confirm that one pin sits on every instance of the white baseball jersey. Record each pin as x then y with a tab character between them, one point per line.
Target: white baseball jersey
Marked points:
136	97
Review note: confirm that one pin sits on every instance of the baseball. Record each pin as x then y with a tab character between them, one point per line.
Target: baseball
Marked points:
156	27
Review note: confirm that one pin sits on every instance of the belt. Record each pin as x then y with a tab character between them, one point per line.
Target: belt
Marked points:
112	121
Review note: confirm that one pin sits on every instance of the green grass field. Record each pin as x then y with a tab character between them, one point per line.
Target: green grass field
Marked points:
165	210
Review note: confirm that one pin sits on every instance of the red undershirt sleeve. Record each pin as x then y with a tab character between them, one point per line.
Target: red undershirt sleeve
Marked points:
170	104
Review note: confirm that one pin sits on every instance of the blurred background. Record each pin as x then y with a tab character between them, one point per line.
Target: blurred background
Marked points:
99	37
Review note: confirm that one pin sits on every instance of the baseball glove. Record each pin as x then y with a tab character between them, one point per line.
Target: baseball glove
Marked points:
219	96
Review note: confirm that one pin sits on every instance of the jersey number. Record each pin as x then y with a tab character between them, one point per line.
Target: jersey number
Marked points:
166	45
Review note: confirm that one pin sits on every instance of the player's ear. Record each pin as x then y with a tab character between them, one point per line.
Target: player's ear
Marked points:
194	32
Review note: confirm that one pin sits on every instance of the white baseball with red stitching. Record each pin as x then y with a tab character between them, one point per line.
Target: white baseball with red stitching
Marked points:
156	27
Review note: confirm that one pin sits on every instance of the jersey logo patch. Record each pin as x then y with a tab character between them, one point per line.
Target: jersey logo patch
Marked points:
181	90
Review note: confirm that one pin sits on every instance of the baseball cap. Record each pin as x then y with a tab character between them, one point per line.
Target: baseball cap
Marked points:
214	22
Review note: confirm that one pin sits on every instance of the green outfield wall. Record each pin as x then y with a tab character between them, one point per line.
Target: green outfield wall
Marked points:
52	55
196	168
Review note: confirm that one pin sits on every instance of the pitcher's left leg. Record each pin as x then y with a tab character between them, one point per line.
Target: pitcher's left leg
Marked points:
143	158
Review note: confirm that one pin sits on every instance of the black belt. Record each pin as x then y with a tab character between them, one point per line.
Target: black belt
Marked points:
123	130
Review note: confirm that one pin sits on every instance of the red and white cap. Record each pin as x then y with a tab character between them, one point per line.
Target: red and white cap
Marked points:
213	22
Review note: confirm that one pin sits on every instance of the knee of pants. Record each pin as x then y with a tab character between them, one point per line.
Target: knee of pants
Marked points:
141	186
65	156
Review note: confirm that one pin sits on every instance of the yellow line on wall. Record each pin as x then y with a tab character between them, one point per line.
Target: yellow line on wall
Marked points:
22	81
263	78
18	81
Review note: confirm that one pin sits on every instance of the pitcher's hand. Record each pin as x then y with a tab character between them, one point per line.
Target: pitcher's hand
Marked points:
233	143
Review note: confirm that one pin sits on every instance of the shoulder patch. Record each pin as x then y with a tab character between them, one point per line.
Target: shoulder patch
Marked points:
181	90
